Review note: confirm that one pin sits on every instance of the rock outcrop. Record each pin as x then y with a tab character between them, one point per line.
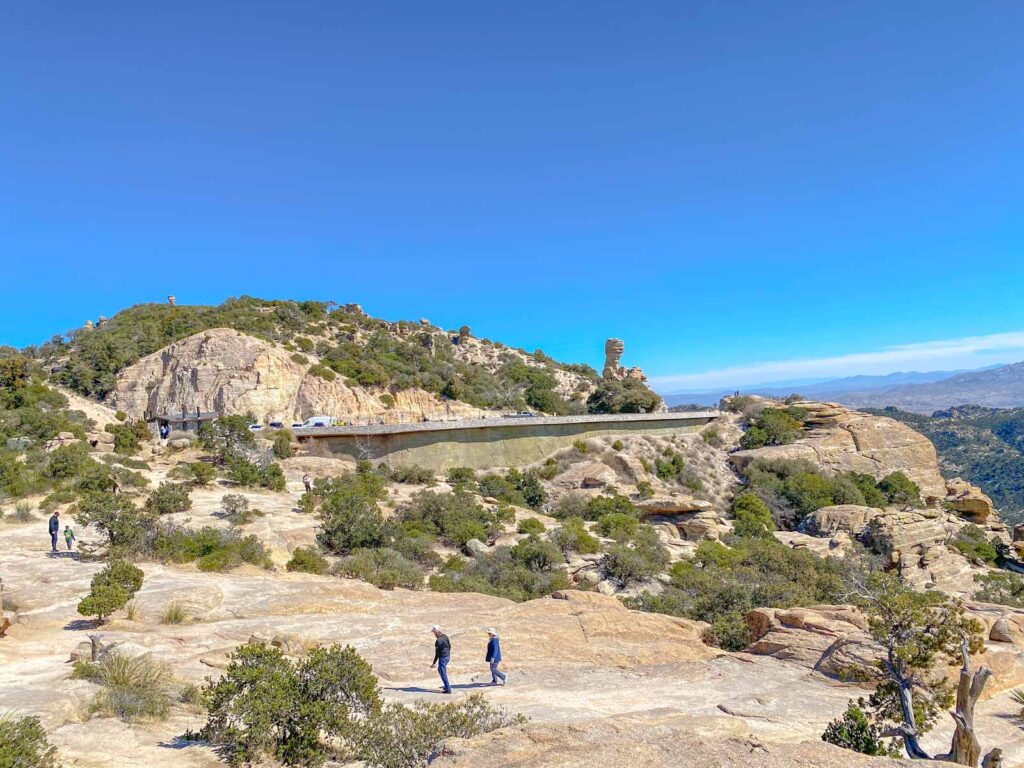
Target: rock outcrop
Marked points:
673	740
841	440
226	371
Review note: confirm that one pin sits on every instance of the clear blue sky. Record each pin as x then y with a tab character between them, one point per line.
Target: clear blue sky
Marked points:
720	184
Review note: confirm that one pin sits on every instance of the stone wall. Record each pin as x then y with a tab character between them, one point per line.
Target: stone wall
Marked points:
486	443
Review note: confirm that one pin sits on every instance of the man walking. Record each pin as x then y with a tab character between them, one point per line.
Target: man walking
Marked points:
442	655
54	530
494	657
307	481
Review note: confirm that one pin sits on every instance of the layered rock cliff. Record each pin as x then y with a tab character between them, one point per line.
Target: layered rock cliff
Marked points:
228	372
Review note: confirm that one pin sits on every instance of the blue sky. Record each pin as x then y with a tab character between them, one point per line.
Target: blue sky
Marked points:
743	191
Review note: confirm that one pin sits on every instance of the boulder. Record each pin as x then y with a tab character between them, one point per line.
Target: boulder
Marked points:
968	501
846	518
1006	631
475	547
587	474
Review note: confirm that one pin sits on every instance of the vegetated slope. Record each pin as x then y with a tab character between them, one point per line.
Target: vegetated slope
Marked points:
365	351
1001	387
982	445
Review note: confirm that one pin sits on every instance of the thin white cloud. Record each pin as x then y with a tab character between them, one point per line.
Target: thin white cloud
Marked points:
950	354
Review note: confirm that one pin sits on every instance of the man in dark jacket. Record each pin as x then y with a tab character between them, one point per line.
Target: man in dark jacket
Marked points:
494	657
442	655
54	530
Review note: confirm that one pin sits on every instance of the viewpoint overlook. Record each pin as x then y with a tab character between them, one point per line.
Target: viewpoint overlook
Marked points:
261	509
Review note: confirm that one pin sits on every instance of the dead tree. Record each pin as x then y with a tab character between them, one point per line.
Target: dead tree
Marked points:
965	748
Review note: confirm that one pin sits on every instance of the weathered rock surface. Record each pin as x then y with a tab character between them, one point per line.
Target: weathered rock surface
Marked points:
842	440
667	740
968	501
850	519
229	372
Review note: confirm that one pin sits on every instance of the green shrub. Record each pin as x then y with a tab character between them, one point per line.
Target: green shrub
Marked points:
384	568
712	437
537	554
349	516
499	573
629	396
299	358
234	507
900	490
460	476
248	474
213	549
1000	587
404	737
721	585
580	446
321	371
775	426
643	557
617	445
24	744
110	589
854	731
169	498
644	490
125	525
282	444
266	705
530	525
572	536
387	400
571	505
971	542
195	473
752	517
128	437
548	470
606	504
412	475
454	517
618	526
307	560
671	467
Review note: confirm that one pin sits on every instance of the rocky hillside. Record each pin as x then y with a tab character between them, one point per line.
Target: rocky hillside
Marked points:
288	360
226	371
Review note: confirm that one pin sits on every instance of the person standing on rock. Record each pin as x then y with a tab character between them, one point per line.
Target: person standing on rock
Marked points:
54	530
69	537
494	657
442	655
308	482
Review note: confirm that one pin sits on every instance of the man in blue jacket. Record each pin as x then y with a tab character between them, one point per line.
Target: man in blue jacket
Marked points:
494	657
54	530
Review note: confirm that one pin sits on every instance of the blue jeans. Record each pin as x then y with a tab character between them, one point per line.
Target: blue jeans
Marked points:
53	541
442	670
495	674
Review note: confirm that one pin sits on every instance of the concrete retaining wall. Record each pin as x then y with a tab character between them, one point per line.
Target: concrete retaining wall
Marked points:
495	443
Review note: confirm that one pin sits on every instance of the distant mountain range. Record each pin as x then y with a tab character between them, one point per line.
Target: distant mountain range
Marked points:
822	389
994	387
999	387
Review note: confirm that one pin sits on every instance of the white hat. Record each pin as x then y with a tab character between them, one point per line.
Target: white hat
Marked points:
492	631
435	628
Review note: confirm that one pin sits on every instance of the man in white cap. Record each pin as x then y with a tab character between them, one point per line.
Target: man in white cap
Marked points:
442	655
494	657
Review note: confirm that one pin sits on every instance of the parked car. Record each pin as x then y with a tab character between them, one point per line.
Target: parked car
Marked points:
255	427
276	425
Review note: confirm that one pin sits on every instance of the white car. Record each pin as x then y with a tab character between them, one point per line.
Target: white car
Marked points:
318	421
